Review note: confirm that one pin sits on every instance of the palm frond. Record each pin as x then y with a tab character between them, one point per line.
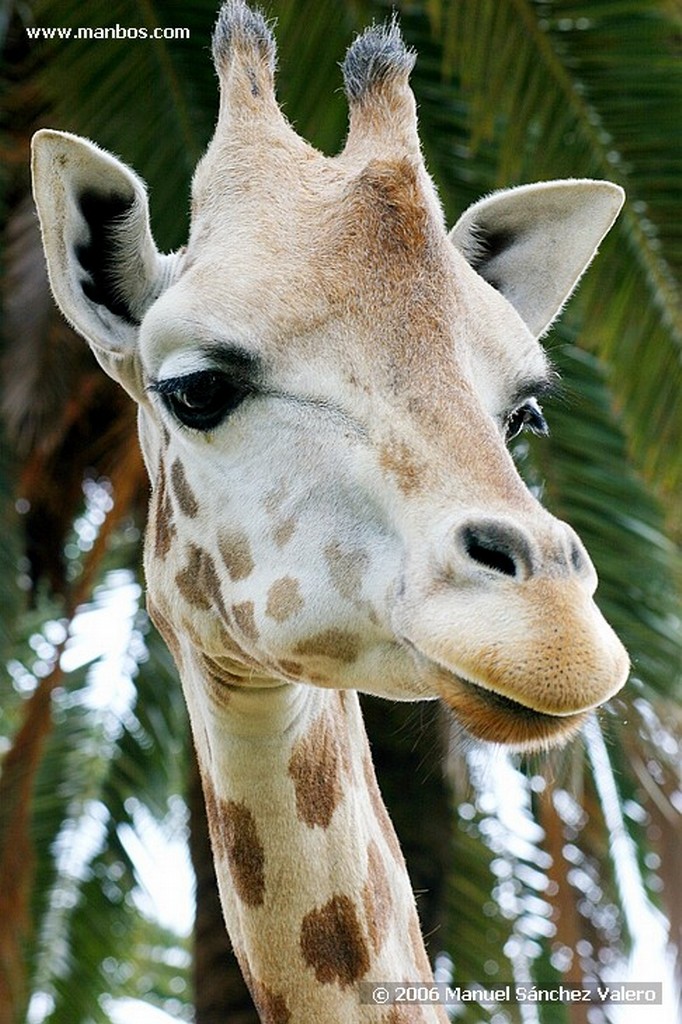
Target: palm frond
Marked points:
96	762
521	91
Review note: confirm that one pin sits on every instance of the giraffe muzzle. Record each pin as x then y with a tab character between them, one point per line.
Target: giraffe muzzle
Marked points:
509	635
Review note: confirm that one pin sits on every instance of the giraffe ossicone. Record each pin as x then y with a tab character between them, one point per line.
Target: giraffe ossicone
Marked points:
326	379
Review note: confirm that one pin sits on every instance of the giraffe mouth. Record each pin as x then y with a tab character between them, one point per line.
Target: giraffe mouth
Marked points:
495	718
485	714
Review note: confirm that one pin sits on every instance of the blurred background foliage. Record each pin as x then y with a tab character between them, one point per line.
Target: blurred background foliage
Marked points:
557	868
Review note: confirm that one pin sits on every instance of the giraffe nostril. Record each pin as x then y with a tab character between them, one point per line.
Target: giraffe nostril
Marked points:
498	547
490	557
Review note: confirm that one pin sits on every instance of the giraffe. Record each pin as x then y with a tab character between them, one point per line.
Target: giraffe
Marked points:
326	380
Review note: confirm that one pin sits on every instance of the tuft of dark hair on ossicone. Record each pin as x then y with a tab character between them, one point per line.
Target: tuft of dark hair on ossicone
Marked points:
378	55
241	26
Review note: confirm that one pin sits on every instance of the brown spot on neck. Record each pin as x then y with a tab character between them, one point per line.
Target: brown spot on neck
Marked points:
377	897
273	499
421	960
333	943
380	812
315	768
272	1007
235	837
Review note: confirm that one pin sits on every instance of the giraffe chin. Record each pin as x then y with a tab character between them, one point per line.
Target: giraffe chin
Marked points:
496	719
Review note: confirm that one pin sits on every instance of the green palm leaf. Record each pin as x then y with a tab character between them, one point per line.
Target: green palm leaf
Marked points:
532	91
98	763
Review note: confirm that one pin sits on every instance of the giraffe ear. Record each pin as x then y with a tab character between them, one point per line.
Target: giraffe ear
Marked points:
104	268
533	243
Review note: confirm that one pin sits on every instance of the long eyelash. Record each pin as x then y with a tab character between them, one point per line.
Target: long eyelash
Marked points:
172	384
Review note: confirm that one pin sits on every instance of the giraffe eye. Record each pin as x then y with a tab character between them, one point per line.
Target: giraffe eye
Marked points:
528	416
204	399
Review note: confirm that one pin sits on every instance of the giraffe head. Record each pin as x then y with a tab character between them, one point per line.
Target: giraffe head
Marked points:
327	380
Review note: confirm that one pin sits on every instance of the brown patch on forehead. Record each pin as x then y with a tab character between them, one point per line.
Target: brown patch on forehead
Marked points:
245	619
377	898
347	569
199	582
235	551
315	767
284	599
380	812
389	208
235	837
398	459
333	943
161	524
331	643
184	494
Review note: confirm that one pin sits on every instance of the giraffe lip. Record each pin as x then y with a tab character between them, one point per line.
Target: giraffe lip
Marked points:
485	714
514	707
494	718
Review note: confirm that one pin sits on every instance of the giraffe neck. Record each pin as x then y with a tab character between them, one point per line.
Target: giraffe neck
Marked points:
313	884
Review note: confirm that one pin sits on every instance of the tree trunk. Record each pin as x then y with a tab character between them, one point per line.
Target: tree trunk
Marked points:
408	747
